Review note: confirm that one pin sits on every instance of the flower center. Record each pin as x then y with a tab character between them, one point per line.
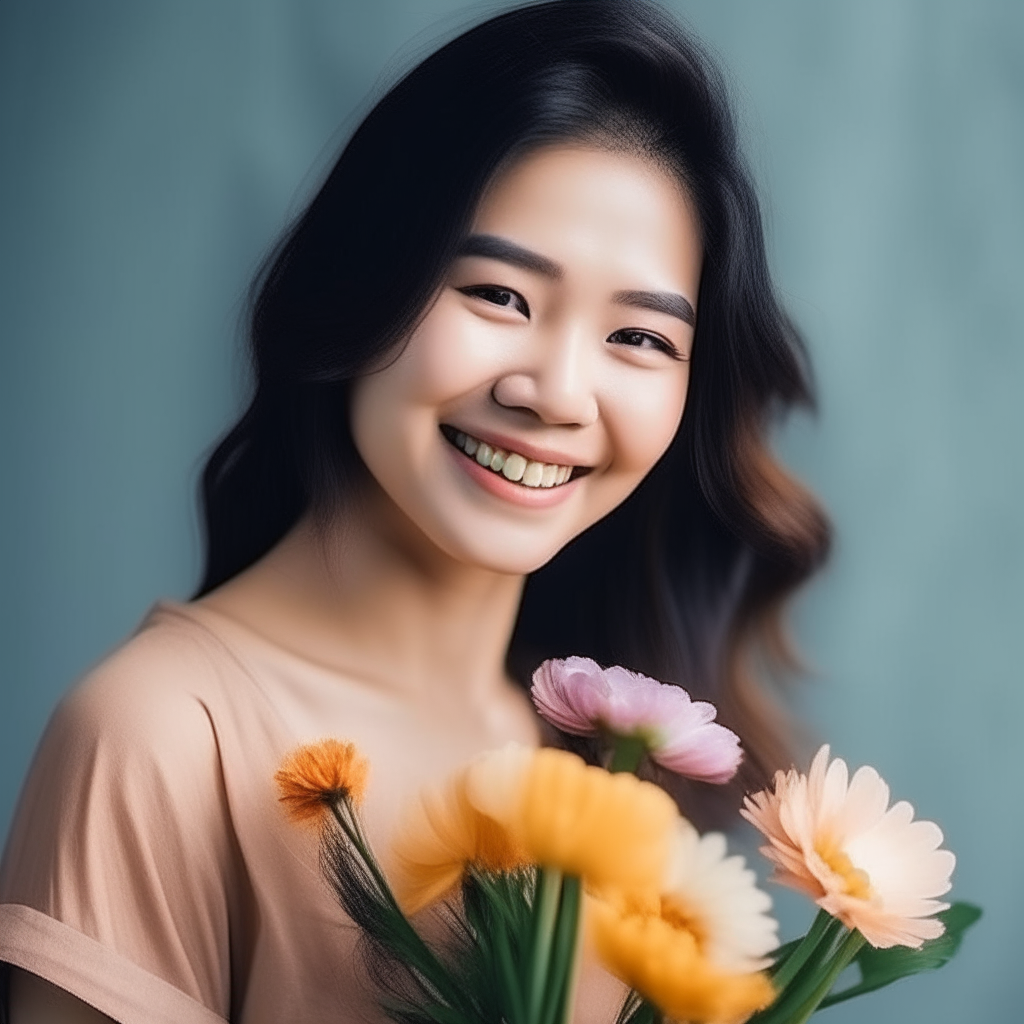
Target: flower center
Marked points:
675	912
856	882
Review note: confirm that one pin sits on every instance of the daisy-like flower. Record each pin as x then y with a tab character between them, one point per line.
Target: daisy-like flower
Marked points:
316	776
716	898
660	956
836	839
577	696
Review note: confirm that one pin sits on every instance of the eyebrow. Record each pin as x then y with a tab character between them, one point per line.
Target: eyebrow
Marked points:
494	248
659	302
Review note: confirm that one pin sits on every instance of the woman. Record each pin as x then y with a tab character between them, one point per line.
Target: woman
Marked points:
466	451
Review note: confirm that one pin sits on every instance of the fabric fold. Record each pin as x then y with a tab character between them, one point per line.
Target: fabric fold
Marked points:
92	972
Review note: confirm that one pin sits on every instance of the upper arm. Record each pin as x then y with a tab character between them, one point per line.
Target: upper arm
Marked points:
35	1001
123	839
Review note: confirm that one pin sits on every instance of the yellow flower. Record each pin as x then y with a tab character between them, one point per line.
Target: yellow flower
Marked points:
518	806
446	832
868	864
659	955
611	830
315	776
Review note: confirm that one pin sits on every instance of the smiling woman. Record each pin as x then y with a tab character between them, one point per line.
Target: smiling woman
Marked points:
565	390
514	369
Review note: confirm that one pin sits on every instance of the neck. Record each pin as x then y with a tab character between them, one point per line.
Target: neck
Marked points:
368	596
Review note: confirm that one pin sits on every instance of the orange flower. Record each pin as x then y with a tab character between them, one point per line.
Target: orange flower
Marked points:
870	865
611	830
656	952
518	806
317	775
445	834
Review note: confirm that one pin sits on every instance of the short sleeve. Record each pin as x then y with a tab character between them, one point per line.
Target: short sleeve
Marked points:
121	873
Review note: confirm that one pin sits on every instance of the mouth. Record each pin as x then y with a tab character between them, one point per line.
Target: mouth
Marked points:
513	466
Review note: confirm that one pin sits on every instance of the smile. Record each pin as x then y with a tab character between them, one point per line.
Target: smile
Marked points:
509	464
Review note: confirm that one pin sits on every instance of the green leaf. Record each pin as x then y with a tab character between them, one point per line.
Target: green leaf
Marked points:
881	967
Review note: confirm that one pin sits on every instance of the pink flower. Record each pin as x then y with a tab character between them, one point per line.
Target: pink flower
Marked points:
836	839
577	696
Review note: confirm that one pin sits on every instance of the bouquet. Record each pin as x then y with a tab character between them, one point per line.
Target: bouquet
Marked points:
525	850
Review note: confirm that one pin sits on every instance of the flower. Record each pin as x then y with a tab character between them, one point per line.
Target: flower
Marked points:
518	806
315	776
868	864
717	899
577	696
661	957
447	832
611	830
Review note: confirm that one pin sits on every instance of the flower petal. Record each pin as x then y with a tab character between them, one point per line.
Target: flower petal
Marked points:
581	698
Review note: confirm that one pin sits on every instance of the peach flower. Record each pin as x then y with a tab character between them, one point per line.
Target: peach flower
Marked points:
869	865
578	696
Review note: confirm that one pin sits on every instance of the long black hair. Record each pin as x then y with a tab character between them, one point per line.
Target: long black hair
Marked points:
685	581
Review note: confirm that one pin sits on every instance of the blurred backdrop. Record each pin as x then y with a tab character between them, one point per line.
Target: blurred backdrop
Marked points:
152	152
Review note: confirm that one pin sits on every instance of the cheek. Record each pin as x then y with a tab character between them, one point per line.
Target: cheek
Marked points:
395	410
643	417
449	354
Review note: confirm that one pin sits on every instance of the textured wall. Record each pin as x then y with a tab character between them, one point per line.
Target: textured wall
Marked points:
150	152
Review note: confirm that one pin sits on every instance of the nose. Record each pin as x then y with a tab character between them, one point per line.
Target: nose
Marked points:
554	381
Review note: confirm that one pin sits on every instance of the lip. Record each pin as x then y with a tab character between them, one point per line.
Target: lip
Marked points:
534	453
516	494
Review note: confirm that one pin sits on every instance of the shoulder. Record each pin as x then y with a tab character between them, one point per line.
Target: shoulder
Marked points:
129	762
154	697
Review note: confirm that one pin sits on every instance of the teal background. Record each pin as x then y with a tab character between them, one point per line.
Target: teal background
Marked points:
151	153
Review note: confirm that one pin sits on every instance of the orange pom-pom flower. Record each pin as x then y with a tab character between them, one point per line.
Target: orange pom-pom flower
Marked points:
315	777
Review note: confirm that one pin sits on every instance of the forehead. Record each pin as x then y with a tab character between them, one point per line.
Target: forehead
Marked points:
583	206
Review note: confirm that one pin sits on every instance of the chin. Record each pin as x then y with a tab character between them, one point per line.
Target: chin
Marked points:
499	553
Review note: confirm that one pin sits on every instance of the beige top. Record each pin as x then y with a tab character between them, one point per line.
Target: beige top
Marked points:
150	871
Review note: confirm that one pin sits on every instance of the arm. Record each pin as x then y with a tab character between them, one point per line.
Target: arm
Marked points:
119	874
34	1001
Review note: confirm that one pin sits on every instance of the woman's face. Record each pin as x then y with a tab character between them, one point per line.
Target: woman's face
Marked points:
550	374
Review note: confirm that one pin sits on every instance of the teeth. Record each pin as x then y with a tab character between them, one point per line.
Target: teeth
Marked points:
512	465
534	474
515	467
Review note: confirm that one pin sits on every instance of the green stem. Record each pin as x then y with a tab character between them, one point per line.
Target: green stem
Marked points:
849	948
572	980
563	954
549	890
789	968
627	753
348	822
511	978
350	826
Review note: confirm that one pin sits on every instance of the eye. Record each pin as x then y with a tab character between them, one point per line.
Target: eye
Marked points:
644	339
498	296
